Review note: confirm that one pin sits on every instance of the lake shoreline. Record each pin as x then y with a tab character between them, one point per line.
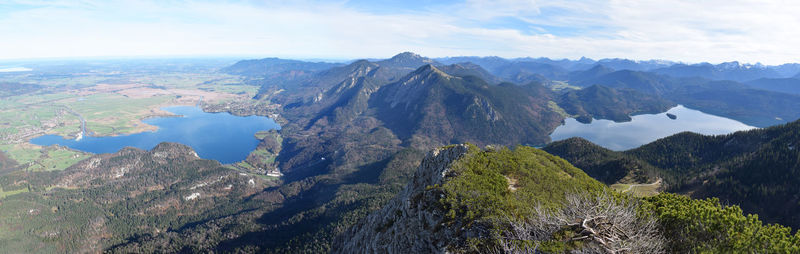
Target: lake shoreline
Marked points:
219	136
645	128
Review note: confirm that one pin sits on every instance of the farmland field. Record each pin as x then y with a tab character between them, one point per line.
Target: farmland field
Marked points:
112	101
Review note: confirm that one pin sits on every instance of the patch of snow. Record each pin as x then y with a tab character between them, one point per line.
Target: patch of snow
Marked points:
192	197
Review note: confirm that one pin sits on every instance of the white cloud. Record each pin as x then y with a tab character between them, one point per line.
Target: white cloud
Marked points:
716	31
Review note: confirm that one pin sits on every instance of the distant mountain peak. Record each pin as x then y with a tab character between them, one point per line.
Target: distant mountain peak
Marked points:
407	60
407	55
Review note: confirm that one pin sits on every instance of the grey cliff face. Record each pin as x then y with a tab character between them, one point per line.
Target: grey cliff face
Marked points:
411	222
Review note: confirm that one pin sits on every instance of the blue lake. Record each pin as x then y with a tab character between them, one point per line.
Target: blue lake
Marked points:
646	128
217	136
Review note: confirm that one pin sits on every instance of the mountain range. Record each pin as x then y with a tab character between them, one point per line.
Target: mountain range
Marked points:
372	157
366	120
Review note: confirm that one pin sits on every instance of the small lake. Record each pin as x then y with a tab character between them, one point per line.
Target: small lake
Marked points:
647	128
217	136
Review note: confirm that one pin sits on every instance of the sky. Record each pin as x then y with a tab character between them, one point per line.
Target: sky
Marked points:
688	31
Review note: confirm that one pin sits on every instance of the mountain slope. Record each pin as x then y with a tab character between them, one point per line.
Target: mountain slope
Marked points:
597	71
464	200
114	199
607	103
454	195
343	158
431	107
783	85
644	82
522	72
757	169
605	165
470	69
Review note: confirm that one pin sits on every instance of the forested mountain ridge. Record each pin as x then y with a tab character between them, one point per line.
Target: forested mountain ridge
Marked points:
354	134
344	134
757	169
116	199
466	200
784	85
347	149
450	202
603	102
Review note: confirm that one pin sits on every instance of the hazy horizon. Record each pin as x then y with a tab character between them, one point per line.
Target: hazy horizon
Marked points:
328	60
681	31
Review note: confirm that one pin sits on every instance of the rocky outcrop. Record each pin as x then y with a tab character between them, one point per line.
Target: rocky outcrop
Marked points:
412	221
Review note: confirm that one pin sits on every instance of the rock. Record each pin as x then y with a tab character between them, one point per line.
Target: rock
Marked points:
671	116
409	223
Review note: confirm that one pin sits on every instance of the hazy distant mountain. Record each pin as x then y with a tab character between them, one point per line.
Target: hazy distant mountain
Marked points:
580	77
625	64
571	65
467	69
524	72
724	71
645	82
406	60
271	66
784	85
490	63
786	70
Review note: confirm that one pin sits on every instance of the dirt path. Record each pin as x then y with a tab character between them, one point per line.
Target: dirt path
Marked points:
657	182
